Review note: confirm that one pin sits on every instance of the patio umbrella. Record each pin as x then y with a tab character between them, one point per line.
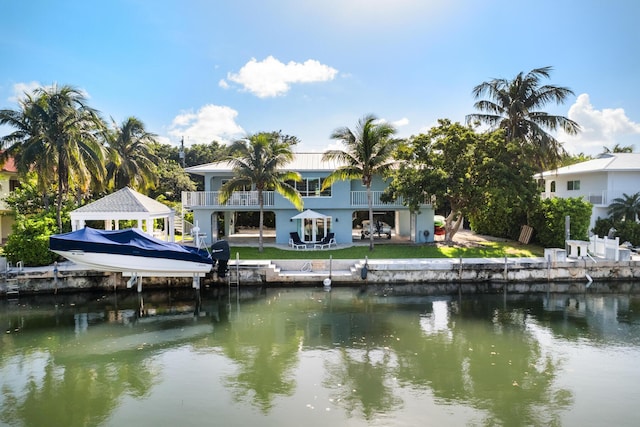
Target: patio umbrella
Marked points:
309	214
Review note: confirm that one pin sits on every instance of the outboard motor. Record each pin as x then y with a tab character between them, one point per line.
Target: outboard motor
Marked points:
221	253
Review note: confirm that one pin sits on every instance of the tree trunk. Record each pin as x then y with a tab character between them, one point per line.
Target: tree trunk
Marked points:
261	225
451	227
370	202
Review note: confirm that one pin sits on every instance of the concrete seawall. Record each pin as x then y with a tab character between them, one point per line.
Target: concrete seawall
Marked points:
445	275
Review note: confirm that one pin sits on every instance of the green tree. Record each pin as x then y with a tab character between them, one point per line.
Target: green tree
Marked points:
132	161
440	163
368	152
258	163
507	191
626	207
58	136
548	220
513	105
172	181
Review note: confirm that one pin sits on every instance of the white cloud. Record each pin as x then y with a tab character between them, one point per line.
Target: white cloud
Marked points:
271	77
600	128
19	90
210	123
400	123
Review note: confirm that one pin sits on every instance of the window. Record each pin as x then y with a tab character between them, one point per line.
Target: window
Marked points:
552	187
310	187
573	185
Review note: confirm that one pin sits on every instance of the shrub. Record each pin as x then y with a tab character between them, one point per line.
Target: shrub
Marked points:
548	220
627	231
29	240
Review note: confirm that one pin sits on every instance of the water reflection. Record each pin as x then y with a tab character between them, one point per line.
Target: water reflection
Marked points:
361	355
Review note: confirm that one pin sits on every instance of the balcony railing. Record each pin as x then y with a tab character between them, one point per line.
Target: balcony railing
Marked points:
359	199
192	199
602	198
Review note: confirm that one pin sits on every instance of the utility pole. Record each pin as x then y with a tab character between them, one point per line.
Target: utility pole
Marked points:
181	152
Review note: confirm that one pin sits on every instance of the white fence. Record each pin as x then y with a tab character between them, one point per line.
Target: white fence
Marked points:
605	248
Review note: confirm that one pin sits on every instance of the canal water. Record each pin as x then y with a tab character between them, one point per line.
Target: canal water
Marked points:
382	356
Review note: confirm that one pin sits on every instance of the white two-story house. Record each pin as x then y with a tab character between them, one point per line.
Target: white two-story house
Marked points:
336	206
598	181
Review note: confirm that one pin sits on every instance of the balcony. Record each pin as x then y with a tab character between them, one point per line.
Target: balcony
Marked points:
192	199
240	199
359	200
596	198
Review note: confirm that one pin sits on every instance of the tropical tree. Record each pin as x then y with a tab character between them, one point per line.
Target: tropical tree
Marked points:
368	152
441	163
258	163
132	161
58	136
626	207
617	148
513	105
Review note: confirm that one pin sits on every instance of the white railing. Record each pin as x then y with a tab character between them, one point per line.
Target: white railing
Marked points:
212	198
605	247
359	198
596	198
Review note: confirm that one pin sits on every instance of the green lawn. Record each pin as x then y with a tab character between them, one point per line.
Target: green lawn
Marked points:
385	251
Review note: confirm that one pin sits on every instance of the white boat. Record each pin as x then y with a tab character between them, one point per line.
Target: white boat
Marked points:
133	252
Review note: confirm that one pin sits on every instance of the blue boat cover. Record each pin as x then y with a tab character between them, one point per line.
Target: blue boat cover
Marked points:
130	241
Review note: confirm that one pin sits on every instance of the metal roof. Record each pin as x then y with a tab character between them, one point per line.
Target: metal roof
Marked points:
300	162
610	162
125	200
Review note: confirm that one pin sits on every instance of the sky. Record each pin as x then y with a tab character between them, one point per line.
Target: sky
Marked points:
206	70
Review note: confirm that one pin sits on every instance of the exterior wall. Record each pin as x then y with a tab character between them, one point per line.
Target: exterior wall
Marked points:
598	188
346	198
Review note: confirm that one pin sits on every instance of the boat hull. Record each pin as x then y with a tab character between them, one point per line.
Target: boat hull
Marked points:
134	264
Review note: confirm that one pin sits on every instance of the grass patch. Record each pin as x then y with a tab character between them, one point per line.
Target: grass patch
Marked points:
390	251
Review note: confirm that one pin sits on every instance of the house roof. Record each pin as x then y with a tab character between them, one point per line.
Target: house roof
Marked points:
9	166
300	162
125	200
610	162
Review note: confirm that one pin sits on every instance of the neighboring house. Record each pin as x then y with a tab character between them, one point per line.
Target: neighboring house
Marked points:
598	181
8	183
336	206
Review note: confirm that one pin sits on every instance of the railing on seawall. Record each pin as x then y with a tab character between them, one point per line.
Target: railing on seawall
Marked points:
605	247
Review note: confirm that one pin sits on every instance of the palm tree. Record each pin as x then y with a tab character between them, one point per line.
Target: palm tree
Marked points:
368	152
58	136
617	148
625	207
258	163
514	106
132	162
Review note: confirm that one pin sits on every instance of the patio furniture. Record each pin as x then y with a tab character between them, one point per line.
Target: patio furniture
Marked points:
326	242
295	242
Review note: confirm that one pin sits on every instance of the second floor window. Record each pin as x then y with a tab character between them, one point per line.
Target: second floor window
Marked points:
310	187
573	185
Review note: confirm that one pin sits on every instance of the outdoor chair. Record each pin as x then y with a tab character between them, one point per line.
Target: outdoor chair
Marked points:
326	242
295	242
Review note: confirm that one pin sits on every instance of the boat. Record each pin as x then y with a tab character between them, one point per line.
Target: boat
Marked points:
131	251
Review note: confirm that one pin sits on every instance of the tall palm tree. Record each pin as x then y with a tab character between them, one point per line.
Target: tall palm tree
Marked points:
368	152
258	163
58	136
514	106
132	160
626	207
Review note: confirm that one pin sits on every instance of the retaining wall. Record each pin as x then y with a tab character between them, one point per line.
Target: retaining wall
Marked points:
439	275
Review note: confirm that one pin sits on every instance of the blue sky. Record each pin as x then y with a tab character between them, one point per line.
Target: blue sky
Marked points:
218	70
